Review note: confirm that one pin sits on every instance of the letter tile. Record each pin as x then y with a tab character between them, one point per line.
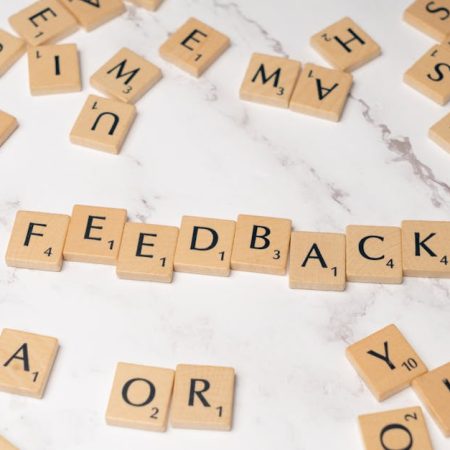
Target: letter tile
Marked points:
11	49
94	13
374	254
430	75
8	124
440	133
140	397
194	47
270	80
321	92
37	241
395	429
426	248
261	244
5	445
204	246
26	361
386	362
433	389
103	124
317	261
54	69
147	252
345	45
43	22
203	398
430	17
94	234
126	76
151	5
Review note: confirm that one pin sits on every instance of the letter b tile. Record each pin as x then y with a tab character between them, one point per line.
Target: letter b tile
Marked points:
386	362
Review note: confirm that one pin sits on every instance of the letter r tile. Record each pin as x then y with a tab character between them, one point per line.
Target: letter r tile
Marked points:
386	362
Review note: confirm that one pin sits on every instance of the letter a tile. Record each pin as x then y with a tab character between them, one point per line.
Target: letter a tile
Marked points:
386	362
5	445
140	397
440	133
37	241
345	45
11	49
194	47
43	22
270	80
26	361
103	124
397	429
203	398
8	124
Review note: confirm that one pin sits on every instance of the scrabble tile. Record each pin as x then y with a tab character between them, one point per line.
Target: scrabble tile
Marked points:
43	22
26	361
440	133
429	75
321	92
5	445
140	397
147	252
433	389
54	69
345	45
203	398
194	47
374	254
431	17
204	246
127	76
8	124
317	261
93	13
261	244
11	49
386	362
270	80
426	248
103	124
37	241
94	234
395	429
151	5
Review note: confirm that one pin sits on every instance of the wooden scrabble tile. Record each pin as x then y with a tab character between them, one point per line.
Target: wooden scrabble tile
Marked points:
94	234
270	80
374	254
127	76
433	389
203	397
395	429
261	244
386	362
147	252
8	124
204	246
26	361
103	124
426	248
5	445
431	17
43	22
93	13
440	133
151	5
54	69
11	49
345	45
429	74
140	397
194	47
321	92
37	241
317	261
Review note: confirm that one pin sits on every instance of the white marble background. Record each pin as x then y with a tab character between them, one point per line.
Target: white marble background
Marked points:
197	149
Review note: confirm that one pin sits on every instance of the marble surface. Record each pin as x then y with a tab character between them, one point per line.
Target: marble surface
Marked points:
197	149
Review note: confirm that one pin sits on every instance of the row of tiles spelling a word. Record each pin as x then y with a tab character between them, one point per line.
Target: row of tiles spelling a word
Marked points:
140	397
323	261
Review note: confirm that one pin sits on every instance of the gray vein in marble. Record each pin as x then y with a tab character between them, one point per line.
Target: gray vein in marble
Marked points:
146	210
